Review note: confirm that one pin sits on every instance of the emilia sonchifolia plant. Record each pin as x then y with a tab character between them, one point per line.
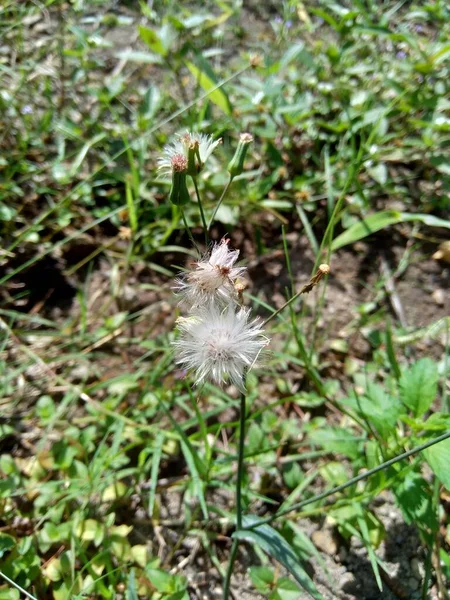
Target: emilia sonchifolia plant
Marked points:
219	340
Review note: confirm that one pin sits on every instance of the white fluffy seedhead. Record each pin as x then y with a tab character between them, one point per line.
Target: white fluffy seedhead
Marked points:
219	345
212	280
204	144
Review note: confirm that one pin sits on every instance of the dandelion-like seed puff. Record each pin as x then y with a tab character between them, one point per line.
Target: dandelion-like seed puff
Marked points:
203	144
219	345
212	280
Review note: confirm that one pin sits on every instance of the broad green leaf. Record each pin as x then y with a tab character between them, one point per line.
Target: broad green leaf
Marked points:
292	475
262	578
414	496
418	386
285	590
7	542
438	457
377	221
208	81
274	544
380	410
337	439
334	473
9	594
161	580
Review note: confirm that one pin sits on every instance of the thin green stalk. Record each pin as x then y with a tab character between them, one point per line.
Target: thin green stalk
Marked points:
321	271
240	469
186	226
17	586
352	481
202	213
226	583
239	478
445	396
225	190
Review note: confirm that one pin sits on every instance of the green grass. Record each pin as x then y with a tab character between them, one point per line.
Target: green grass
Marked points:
111	466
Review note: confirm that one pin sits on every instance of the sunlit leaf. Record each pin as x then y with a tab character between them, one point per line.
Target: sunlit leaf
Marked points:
377	221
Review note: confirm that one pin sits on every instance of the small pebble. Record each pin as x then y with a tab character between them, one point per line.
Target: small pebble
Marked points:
417	569
325	541
413	584
439	296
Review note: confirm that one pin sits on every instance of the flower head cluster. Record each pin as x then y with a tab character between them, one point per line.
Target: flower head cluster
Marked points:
219	344
219	341
190	150
212	280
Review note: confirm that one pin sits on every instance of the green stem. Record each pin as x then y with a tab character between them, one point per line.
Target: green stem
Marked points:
225	190
186	226
239	478
285	305
226	583
202	213
352	481
240	468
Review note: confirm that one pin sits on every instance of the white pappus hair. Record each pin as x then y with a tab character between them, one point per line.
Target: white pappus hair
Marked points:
219	345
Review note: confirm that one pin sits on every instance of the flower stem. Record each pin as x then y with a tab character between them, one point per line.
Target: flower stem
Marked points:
240	468
186	226
202	213
321	271
239	478
225	190
226	583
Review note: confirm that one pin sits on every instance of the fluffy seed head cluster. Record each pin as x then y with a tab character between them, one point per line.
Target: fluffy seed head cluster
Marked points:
219	341
199	144
219	344
213	279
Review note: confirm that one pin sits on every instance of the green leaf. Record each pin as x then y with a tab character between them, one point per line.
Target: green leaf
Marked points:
379	173
131	593
7	542
292	475
152	39
208	81
418	386
196	466
379	409
161	580
139	57
9	594
380	220
414	496
438	457
271	542
156	458
285	590
336	439
262	578
297	53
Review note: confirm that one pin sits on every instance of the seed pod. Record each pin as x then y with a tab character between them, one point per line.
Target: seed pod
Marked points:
236	165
